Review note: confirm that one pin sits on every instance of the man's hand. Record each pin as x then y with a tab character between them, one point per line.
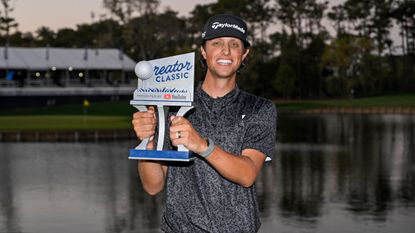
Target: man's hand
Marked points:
183	133
144	124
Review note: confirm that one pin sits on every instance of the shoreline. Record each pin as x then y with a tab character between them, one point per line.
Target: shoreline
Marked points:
360	110
98	135
67	136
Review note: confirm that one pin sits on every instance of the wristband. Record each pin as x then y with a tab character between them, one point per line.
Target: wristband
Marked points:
209	150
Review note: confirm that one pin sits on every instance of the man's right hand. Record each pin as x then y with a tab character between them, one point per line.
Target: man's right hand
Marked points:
144	124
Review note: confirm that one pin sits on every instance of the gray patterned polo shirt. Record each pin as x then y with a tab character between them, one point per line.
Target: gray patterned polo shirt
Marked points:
199	199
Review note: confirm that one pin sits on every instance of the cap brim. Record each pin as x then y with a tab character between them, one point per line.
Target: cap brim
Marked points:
245	42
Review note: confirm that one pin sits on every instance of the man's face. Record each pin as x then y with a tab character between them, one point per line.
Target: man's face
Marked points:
224	56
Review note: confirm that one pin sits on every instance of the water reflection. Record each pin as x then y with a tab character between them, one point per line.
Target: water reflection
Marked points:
8	218
49	187
341	173
331	173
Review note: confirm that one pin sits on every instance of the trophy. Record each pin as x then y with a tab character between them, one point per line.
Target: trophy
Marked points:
164	83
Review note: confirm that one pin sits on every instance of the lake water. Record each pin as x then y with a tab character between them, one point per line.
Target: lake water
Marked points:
331	173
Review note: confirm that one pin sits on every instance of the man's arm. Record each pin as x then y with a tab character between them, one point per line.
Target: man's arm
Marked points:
241	169
152	173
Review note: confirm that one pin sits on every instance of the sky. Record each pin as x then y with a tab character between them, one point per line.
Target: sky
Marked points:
56	14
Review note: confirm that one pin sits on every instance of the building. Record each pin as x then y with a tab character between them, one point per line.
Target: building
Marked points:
48	76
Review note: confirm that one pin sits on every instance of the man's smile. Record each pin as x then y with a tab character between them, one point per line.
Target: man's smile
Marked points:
224	61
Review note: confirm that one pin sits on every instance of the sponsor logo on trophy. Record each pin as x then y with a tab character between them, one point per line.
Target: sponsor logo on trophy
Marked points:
164	83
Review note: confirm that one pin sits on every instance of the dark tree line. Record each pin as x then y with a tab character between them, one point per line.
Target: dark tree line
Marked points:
293	53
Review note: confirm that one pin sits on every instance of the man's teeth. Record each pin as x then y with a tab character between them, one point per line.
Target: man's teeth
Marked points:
224	62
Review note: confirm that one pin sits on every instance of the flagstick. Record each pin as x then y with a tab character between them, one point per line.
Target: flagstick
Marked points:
85	115
86	105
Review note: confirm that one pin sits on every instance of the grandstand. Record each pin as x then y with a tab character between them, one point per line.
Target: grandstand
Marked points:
49	76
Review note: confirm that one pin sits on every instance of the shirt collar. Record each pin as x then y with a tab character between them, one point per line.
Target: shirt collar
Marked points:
220	102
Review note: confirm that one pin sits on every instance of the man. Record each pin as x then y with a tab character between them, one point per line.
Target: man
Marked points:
232	132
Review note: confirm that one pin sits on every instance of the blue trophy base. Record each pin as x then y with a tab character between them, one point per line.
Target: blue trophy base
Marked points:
166	155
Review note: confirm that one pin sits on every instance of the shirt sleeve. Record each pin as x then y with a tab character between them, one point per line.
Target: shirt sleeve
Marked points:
262	129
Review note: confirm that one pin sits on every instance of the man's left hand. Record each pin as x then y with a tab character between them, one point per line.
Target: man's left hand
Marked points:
183	133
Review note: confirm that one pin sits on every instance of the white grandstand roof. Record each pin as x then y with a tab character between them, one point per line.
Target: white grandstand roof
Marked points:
63	58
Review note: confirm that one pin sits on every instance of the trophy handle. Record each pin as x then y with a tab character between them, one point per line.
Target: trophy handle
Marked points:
182	111
162	115
144	142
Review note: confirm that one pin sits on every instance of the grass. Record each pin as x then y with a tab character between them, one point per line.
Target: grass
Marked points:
403	100
109	115
116	108
62	123
117	115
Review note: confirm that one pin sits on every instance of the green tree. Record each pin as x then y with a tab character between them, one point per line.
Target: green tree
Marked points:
404	14
371	19
110	34
358	16
312	68
124	10
381	23
166	36
260	15
6	22
288	48
22	39
302	17
339	57
285	79
354	67
303	20
338	16
109	31
66	37
45	36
